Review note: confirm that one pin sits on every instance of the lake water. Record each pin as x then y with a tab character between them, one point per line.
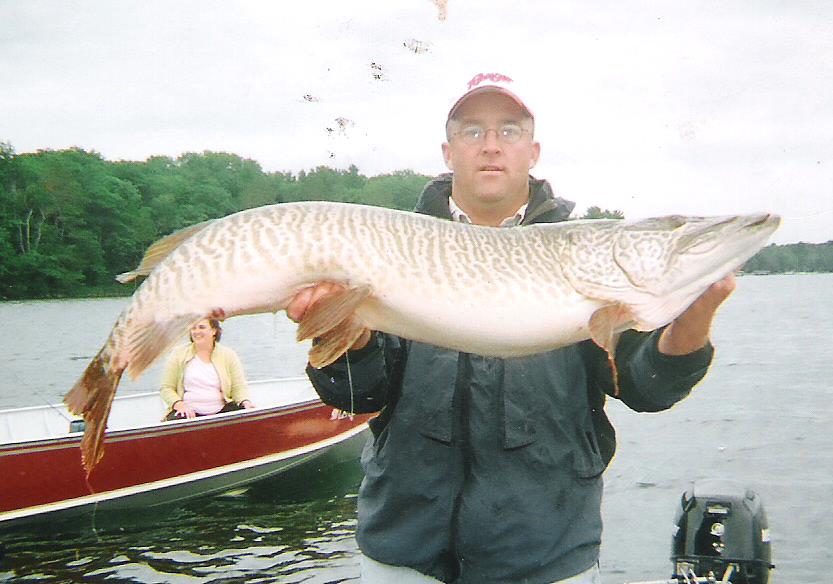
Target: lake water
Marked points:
762	416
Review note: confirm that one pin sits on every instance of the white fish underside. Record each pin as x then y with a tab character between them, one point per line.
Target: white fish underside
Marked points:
498	292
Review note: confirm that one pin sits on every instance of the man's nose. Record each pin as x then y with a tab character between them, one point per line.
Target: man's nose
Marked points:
490	140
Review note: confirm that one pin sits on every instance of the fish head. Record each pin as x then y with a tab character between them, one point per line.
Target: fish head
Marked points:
657	267
660	254
665	253
671	261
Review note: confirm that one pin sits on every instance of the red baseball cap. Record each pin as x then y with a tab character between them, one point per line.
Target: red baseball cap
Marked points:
486	82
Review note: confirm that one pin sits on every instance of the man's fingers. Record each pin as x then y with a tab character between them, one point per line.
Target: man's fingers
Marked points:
719	291
308	296
298	305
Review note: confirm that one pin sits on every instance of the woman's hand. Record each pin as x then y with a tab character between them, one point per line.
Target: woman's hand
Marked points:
247	404
183	410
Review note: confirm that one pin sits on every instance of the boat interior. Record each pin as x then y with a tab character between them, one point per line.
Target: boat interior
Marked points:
136	411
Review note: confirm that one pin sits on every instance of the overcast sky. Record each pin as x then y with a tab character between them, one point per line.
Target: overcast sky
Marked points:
649	107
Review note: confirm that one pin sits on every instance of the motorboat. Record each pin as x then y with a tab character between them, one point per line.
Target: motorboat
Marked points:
150	462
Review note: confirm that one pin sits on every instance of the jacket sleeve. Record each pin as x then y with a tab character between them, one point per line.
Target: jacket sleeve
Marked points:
359	381
239	388
170	380
649	381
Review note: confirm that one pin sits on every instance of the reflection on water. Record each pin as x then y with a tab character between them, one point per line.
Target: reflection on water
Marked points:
271	533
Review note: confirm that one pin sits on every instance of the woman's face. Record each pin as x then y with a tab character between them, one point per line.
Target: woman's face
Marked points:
202	334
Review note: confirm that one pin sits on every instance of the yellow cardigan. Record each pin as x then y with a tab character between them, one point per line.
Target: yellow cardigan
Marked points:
225	361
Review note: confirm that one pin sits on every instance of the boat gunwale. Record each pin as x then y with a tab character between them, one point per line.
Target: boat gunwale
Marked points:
160	427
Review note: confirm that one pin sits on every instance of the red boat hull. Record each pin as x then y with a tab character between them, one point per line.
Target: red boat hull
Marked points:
176	460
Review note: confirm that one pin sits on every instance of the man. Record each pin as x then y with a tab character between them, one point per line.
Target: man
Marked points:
485	470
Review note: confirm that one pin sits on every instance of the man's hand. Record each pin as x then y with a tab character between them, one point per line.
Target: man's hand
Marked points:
303	300
690	330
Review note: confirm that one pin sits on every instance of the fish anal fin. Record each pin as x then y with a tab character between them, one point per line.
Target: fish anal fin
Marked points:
330	311
92	398
151	339
605	325
161	249
335	342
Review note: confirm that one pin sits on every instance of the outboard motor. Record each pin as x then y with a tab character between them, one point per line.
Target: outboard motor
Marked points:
721	534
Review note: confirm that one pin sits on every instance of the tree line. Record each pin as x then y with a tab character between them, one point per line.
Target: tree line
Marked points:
793	257
70	220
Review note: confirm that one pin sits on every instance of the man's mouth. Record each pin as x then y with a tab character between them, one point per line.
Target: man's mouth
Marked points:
491	168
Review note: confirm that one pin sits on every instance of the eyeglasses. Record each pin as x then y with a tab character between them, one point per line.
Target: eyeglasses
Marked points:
507	133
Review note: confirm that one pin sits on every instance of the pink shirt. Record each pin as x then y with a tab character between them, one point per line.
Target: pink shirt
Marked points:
202	387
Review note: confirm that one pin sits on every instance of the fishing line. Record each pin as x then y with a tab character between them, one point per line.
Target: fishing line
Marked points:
41	397
94	516
52	406
350	382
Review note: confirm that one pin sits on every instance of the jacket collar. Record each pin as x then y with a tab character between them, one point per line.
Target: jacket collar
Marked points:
544	206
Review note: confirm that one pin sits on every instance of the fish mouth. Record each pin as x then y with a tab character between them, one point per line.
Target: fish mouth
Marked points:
764	219
705	236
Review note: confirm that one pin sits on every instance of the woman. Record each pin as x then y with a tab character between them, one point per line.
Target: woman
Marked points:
204	377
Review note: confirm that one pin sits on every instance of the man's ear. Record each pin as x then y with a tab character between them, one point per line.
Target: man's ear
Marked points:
449	162
536	154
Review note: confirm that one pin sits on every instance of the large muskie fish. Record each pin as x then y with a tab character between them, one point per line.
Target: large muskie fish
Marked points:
497	292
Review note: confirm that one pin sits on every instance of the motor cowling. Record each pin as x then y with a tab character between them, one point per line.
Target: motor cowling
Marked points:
721	529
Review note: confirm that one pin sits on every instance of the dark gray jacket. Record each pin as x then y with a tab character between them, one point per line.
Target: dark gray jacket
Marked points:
488	470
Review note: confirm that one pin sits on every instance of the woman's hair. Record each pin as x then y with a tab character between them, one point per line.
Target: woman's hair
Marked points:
215	324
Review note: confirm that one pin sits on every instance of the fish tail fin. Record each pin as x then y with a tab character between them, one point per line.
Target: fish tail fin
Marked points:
91	397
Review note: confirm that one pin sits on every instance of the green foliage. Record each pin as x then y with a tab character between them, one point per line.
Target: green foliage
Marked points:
70	221
793	257
398	190
598	213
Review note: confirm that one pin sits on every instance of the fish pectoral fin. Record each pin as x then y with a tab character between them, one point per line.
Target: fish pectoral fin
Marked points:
605	325
335	342
331	311
149	340
606	322
161	249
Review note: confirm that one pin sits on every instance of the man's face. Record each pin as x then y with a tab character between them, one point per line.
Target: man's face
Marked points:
490	172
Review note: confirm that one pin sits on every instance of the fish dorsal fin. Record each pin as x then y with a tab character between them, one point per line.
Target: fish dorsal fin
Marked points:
161	249
151	339
332	321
